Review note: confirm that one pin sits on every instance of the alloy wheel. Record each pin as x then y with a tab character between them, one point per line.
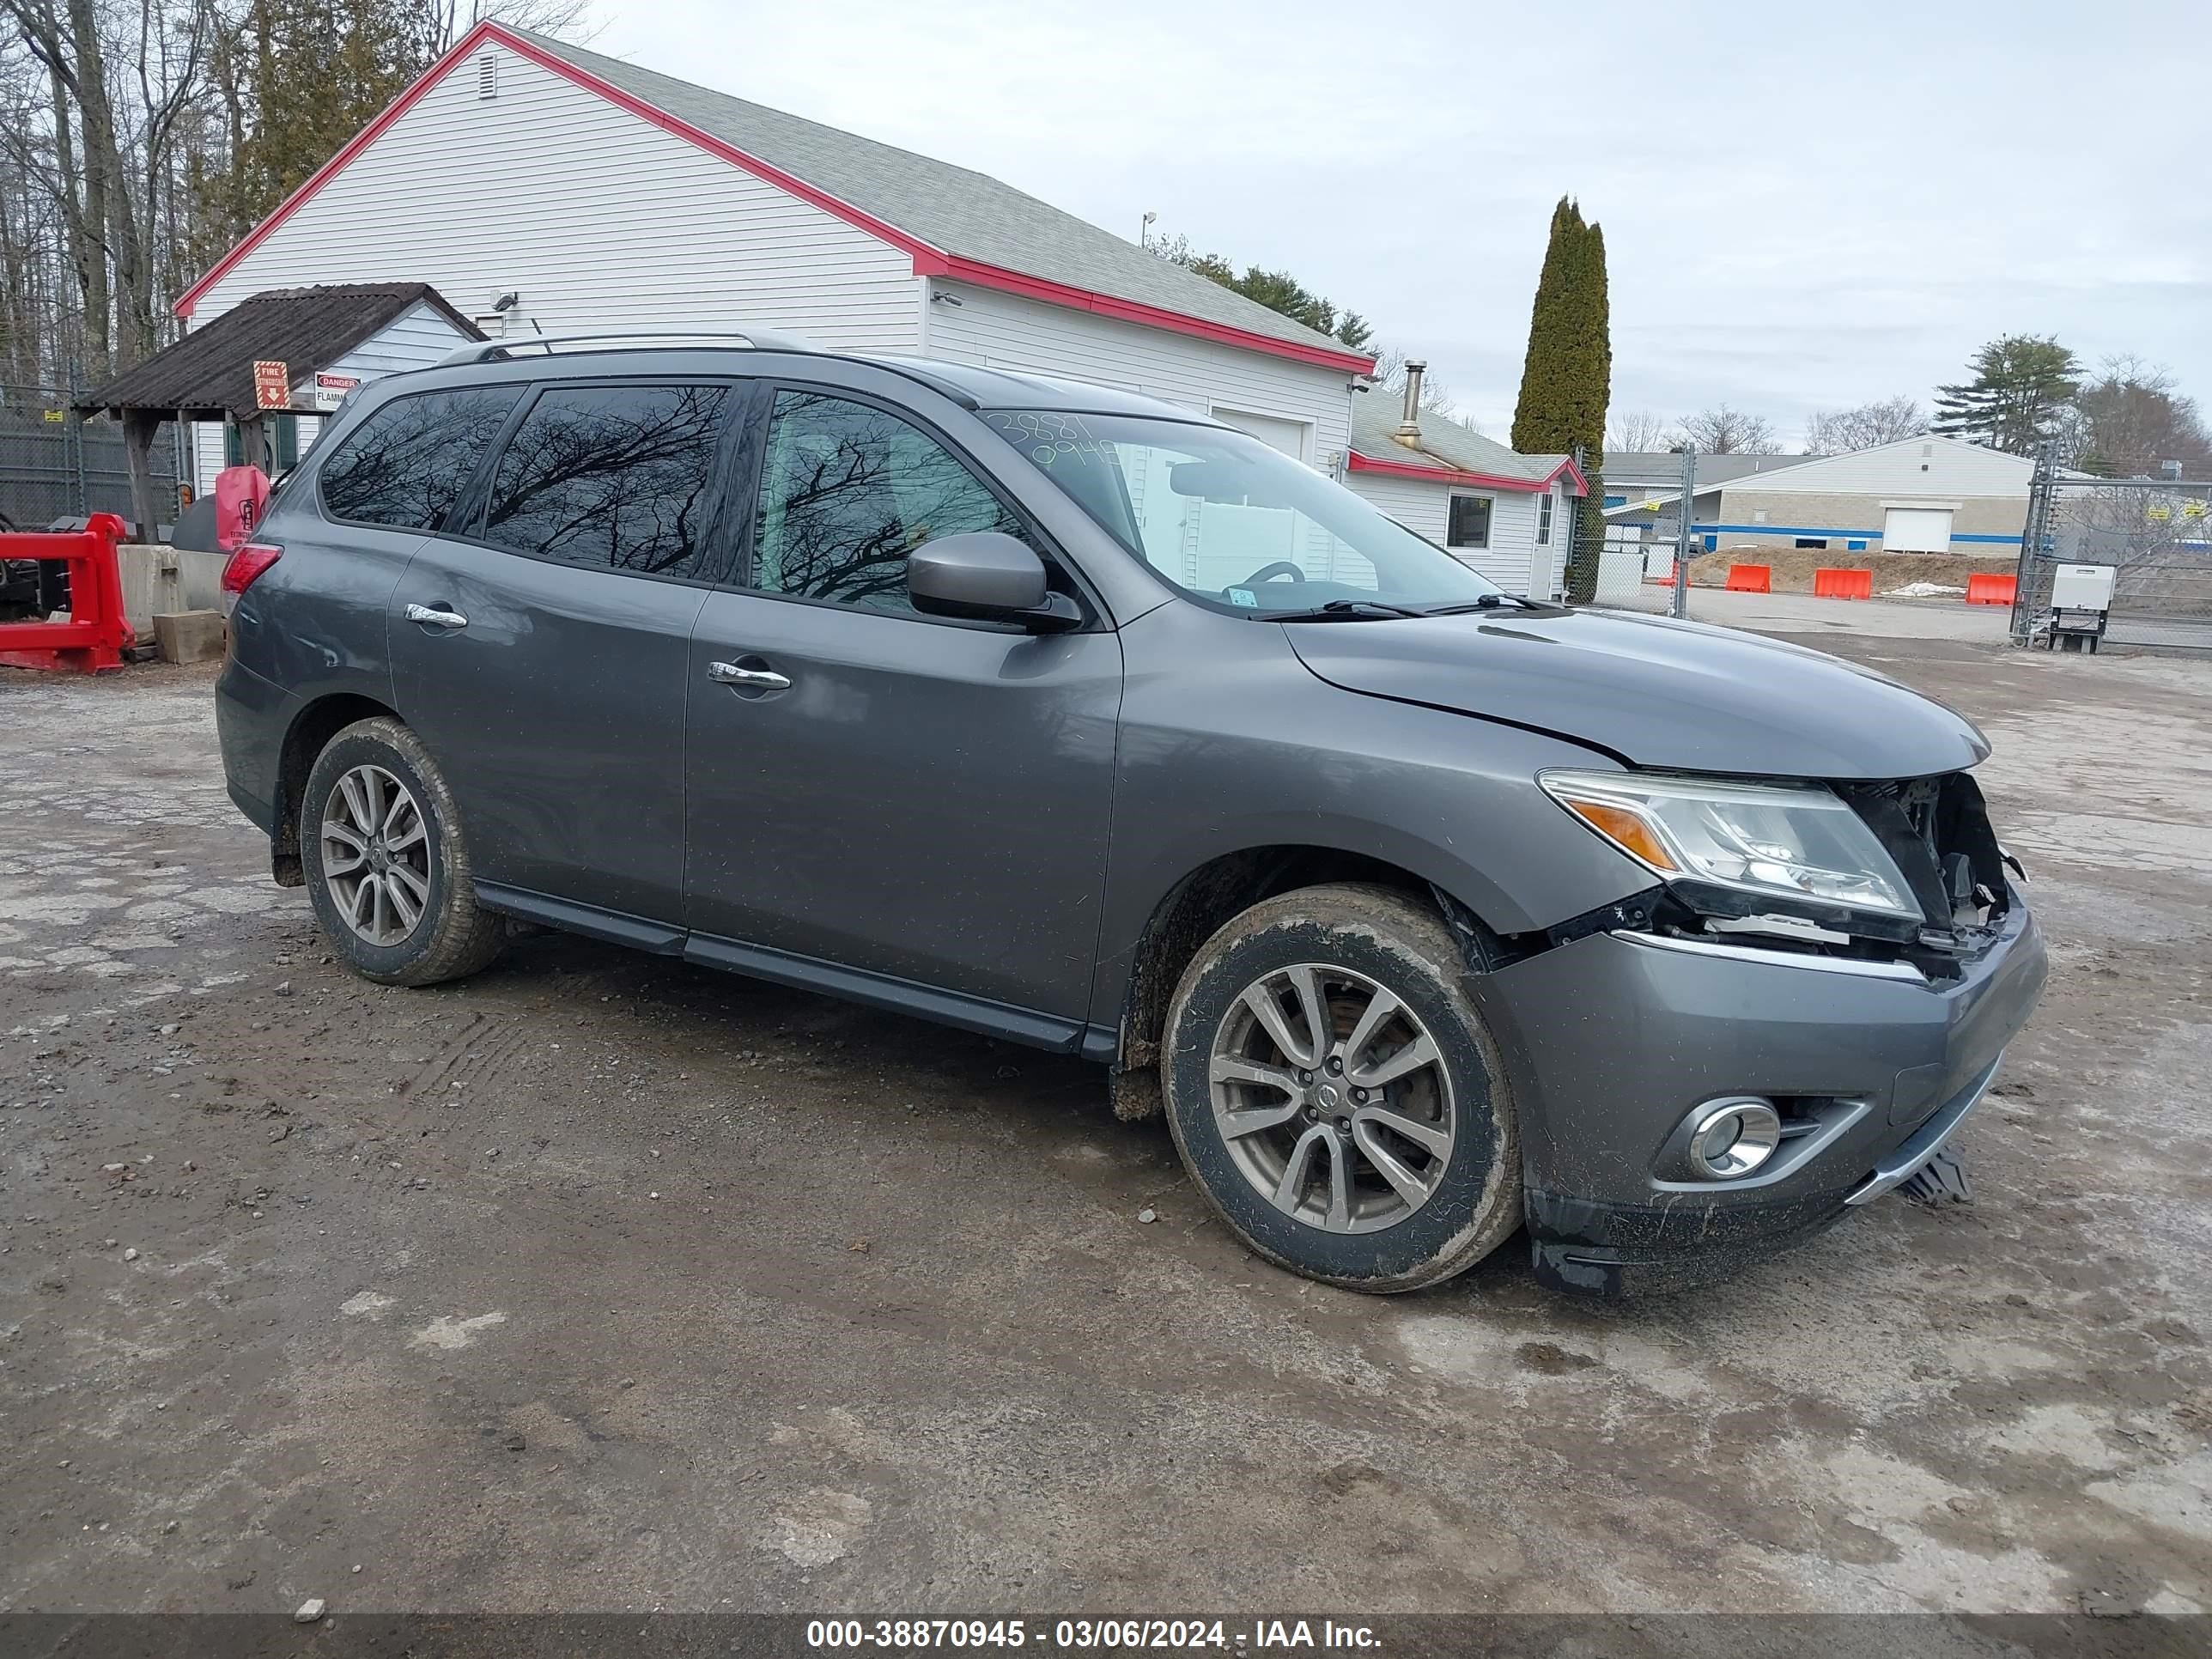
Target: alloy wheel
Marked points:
1331	1097
376	854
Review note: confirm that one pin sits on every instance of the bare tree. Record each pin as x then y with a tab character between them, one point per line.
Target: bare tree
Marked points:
33	285
1436	396
570	20
2131	417
1722	430
139	138
64	42
1838	432
168	59
122	81
1635	432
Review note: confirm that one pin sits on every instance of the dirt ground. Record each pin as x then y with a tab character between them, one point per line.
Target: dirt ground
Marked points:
600	1282
1793	569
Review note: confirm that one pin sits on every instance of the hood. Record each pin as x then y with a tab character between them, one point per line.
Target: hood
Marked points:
1675	696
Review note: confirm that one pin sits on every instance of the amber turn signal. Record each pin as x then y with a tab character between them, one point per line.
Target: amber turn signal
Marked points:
1625	830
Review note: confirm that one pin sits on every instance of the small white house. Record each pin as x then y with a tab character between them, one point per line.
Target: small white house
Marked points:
1509	516
547	189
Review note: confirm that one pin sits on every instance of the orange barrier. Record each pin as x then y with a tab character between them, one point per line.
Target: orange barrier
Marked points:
1751	579
94	639
1829	584
1991	590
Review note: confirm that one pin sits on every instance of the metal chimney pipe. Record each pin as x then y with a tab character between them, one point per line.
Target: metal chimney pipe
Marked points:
1409	426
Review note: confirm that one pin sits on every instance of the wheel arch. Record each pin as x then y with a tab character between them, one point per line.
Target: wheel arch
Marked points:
1192	910
311	731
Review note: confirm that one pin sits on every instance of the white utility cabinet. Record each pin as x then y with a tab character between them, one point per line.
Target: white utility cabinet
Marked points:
2082	588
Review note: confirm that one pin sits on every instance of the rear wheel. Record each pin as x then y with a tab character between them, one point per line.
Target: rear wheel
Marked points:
1336	1095
387	869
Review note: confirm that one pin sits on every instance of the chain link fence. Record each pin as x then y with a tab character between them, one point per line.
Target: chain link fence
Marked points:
1635	572
1636	567
55	463
2156	533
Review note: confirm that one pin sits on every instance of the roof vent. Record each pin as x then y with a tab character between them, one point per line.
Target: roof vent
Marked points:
488	74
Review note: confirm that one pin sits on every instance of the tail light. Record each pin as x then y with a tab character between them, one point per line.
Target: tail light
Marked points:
245	568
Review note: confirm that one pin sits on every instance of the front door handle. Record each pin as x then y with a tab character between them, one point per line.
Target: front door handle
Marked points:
431	614
752	679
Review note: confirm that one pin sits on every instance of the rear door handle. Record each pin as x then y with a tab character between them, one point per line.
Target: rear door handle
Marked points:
756	680
431	614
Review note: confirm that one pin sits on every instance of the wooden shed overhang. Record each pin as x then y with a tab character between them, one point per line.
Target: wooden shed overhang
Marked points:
210	374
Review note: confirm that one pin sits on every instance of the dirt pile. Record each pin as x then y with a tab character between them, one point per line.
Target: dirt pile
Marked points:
1794	567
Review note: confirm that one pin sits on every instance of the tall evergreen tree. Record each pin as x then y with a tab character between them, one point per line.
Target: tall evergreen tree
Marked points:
2021	387
1566	381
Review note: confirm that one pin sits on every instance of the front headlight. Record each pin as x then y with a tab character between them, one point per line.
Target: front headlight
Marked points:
1794	839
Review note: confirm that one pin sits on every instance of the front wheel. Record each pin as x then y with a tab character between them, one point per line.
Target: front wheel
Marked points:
1336	1095
387	869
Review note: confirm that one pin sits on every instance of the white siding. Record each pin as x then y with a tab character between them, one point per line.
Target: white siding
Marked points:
1512	559
598	217
415	340
1421	507
1002	330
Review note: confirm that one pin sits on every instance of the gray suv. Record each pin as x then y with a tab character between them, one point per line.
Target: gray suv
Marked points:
1425	911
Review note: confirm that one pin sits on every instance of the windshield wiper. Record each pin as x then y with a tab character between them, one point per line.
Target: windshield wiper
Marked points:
1487	602
1345	610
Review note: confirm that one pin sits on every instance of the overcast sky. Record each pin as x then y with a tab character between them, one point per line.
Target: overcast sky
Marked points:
1804	207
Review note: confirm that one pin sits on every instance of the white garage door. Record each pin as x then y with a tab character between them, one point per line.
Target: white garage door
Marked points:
1917	530
1289	436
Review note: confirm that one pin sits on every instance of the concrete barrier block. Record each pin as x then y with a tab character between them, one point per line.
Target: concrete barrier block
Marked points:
189	635
159	579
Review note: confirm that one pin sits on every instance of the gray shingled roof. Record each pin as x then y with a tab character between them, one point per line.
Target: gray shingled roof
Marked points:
1662	470
956	211
1445	446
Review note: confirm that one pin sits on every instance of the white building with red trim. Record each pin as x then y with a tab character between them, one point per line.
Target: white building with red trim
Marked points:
592	194
1509	516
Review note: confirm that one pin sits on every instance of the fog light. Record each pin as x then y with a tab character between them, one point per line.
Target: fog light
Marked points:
1734	1137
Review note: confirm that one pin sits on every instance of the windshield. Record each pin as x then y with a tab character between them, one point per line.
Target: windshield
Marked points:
1234	522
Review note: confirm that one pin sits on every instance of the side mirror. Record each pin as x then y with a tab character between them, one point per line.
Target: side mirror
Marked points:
986	576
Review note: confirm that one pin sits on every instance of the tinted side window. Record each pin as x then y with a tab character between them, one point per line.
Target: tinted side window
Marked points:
612	476
405	464
848	491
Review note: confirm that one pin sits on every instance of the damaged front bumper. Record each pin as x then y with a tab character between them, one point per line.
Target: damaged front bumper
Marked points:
1617	1039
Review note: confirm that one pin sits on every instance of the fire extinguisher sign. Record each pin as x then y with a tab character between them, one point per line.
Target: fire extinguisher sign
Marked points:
272	385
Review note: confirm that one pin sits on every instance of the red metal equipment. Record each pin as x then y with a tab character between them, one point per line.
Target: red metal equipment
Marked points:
94	639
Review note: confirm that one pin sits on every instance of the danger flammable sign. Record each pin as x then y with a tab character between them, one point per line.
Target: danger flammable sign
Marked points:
272	385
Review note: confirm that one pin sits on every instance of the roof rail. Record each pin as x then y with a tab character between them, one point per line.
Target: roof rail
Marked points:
758	339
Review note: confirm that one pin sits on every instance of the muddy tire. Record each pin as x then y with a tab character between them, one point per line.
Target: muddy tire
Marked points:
386	867
1336	1095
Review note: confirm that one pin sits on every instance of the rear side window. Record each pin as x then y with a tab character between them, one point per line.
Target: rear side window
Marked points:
848	491
619	478
407	462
